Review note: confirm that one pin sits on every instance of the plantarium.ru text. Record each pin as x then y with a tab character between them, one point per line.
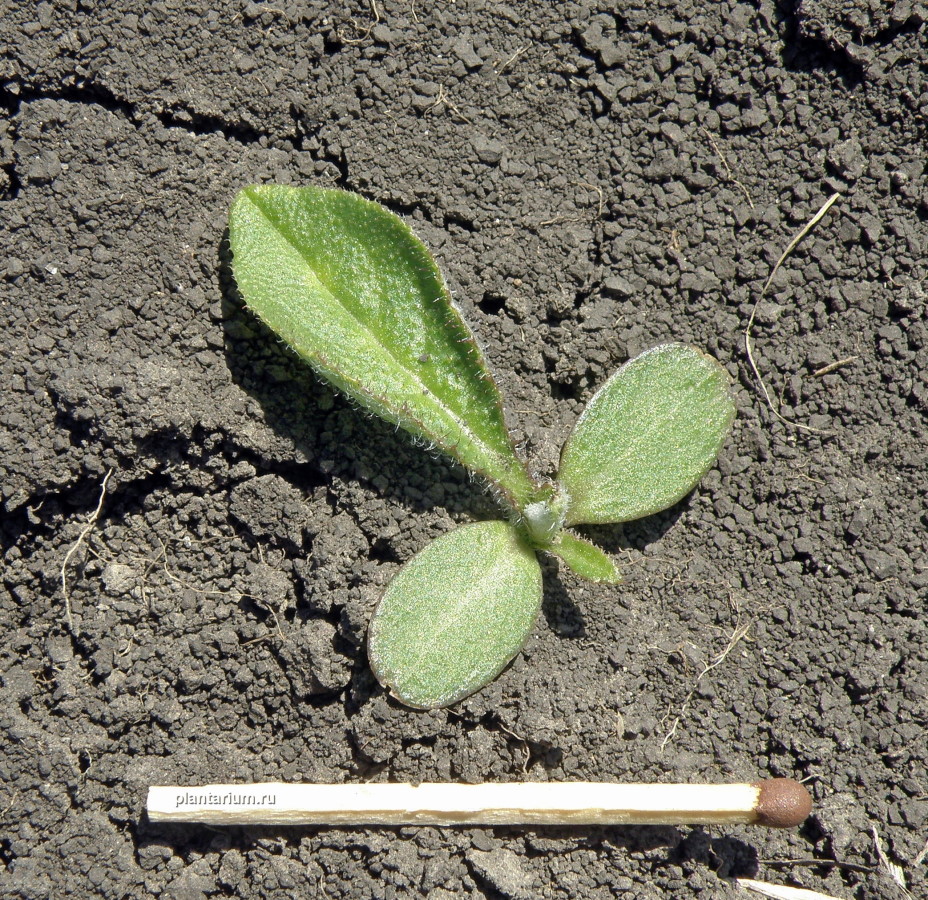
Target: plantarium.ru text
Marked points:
347	285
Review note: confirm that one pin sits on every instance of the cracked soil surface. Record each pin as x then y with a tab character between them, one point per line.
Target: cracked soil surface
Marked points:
594	179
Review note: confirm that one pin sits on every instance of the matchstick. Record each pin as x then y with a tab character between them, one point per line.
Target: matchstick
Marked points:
779	803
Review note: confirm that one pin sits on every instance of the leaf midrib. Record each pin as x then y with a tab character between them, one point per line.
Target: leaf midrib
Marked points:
669	413
417	380
472	597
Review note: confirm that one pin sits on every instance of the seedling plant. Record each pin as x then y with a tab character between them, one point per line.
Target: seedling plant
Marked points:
346	284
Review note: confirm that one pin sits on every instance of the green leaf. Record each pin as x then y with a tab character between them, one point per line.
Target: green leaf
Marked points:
647	436
585	559
455	615
347	285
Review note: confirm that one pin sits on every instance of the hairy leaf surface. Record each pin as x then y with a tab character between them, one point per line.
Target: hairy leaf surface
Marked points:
647	436
455	615
347	285
585	559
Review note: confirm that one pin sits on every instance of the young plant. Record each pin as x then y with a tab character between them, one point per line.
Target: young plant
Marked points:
349	288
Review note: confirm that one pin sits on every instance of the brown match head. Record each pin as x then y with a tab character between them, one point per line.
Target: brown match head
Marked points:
782	803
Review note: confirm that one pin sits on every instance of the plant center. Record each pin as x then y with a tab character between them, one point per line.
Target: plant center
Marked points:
543	519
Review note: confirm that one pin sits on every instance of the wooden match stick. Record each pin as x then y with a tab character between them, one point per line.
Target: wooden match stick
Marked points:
779	803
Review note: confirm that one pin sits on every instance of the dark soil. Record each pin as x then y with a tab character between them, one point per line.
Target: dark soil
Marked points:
594	179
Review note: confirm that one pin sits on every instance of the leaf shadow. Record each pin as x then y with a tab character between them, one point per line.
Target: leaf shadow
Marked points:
324	429
638	534
563	616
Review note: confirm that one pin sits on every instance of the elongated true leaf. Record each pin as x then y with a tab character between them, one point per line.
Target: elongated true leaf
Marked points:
647	436
349	287
455	615
585	559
